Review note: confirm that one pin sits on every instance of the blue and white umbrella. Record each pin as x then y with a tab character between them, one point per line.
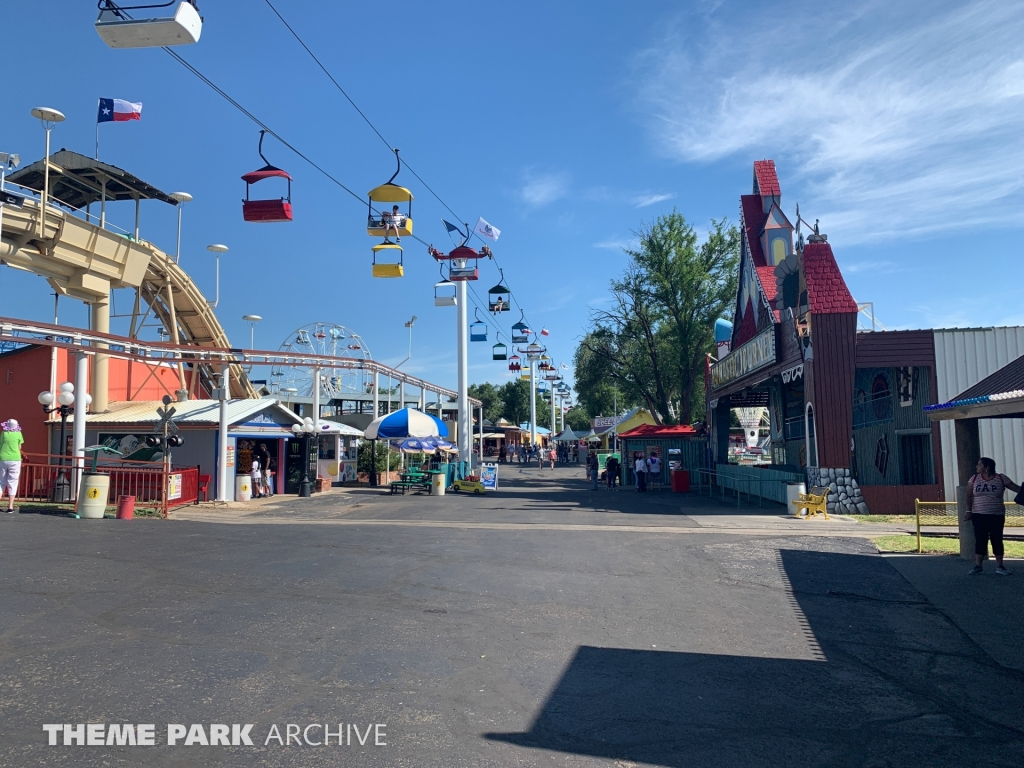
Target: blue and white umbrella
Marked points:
406	422
418	445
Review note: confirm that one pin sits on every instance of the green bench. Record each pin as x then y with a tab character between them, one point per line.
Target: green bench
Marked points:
403	485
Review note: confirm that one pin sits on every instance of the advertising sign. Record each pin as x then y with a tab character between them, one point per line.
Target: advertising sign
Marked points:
174	486
489	476
745	359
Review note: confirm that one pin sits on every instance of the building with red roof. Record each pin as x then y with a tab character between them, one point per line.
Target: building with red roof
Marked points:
845	408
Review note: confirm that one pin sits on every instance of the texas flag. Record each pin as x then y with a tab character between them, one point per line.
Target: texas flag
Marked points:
118	110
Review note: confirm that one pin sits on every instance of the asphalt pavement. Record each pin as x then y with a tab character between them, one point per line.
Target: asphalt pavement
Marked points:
545	624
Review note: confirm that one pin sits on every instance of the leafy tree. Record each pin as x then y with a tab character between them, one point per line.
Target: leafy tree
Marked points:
651	342
369	455
578	420
516	397
490	396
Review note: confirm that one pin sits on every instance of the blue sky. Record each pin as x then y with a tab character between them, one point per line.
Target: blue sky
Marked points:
566	125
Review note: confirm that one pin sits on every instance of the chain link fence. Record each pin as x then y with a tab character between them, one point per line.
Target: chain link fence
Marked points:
944	513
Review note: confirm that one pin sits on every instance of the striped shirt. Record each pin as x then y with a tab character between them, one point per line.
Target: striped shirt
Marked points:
988	494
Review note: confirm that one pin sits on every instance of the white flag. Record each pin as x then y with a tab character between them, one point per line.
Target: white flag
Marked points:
484	229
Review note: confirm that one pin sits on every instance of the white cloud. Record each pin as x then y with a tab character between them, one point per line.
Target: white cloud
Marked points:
885	118
642	201
617	244
543	188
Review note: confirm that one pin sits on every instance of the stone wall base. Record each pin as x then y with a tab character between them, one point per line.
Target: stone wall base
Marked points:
844	496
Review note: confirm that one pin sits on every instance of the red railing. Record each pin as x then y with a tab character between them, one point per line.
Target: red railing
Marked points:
45	479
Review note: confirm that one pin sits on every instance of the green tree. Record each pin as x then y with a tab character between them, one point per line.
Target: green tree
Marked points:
515	395
651	341
490	396
578	420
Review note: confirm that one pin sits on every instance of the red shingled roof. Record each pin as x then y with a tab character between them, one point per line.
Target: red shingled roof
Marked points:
766	178
827	293
653	430
769	285
748	328
753	222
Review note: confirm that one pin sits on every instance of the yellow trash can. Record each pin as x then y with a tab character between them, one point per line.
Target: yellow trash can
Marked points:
92	499
437	481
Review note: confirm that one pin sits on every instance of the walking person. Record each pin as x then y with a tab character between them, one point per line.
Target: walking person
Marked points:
640	469
256	478
611	467
593	470
264	489
987	512
12	453
501	454
654	469
551	457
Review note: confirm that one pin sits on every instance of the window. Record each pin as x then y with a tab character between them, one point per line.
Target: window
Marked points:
812	438
778	251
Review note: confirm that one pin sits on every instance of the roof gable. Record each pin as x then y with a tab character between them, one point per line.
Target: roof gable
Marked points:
754	218
827	293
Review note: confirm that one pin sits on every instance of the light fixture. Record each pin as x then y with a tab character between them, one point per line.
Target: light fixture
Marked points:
216	249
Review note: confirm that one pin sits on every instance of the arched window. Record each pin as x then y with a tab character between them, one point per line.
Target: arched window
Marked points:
812	436
778	251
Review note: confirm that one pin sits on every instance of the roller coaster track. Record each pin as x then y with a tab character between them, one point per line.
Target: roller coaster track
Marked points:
84	261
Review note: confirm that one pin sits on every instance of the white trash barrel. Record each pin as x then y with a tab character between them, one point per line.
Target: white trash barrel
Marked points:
92	499
437	481
792	491
243	488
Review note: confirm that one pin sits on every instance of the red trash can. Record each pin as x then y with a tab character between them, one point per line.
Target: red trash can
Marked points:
125	507
680	480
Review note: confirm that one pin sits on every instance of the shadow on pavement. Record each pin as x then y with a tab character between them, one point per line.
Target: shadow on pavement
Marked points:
890	681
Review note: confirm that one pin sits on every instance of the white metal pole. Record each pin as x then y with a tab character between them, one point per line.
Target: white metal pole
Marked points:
465	420
533	402
401	394
177	248
78	426
46	188
316	402
222	436
376	395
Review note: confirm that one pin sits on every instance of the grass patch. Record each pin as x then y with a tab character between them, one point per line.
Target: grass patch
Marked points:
901	519
936	545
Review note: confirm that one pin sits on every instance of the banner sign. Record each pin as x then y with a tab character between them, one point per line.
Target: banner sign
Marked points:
604	421
757	353
489	476
174	486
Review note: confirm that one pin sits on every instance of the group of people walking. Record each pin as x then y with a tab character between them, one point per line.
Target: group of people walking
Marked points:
526	454
643	469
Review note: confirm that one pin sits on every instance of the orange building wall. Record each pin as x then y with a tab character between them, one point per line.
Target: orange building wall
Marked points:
25	373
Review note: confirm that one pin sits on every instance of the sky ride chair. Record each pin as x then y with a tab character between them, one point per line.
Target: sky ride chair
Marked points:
477	329
444	293
387	250
499	297
387	223
268	210
520	330
499	352
514	364
118	29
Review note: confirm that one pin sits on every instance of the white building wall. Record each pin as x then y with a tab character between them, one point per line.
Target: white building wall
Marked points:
963	357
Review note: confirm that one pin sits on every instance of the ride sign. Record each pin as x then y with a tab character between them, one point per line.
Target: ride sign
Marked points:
745	359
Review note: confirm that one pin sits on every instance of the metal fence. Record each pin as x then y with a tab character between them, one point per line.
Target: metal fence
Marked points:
763	484
54	480
945	513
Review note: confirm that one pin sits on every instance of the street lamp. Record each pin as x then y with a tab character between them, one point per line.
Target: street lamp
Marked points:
305	431
252	320
216	249
49	118
181	198
65	399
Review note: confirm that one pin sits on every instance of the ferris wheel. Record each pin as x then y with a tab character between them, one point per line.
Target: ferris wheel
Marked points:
322	339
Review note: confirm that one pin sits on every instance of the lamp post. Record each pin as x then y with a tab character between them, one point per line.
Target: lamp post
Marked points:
49	118
304	430
65	399
252	320
181	198
216	249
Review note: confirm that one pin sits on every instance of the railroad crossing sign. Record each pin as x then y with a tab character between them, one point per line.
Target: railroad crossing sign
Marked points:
165	425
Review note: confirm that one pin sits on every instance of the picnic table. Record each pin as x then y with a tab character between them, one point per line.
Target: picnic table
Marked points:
411	480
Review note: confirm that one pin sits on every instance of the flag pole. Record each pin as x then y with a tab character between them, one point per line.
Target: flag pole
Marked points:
97	137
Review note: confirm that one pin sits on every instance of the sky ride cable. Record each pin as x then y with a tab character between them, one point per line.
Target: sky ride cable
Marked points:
374	128
263	126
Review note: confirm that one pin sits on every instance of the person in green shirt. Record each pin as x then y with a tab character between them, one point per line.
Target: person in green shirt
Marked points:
12	453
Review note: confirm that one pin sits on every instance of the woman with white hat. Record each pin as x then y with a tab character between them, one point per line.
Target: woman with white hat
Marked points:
12	453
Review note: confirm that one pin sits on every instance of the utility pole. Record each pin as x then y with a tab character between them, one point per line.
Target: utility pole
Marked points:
465	442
